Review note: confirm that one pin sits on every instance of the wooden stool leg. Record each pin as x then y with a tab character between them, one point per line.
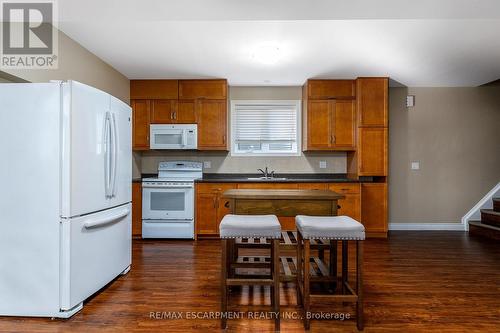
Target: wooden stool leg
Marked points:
276	279
359	285
333	263
345	264
298	276
306	300
271	272
224	271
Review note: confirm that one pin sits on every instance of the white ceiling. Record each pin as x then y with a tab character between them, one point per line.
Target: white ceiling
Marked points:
416	43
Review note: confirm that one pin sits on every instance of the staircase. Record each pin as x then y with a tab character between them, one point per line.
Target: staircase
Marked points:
489	226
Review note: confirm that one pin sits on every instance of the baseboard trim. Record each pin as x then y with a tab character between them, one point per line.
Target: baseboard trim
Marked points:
427	226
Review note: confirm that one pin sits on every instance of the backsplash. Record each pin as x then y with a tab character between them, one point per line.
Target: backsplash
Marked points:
223	162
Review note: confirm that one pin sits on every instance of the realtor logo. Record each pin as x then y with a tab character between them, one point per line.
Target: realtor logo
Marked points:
29	35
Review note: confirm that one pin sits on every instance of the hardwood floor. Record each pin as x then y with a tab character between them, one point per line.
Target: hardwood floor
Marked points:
414	282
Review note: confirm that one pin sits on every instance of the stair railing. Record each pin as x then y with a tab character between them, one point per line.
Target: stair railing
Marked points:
485	203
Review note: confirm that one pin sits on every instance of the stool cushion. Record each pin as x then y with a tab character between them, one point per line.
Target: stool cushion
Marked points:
329	227
236	226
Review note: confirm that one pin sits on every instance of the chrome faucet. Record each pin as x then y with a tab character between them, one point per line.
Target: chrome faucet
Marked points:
266	173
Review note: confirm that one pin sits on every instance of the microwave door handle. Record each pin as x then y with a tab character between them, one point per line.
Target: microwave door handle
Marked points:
184	138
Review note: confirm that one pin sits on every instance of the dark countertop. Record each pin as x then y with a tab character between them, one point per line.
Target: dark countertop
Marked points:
290	178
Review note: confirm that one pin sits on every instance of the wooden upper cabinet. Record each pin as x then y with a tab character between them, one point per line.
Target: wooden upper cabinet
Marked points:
163	111
318	125
154	89
210	89
329	89
374	207
372	150
141	120
173	112
372	101
331	125
186	112
212	124
344	123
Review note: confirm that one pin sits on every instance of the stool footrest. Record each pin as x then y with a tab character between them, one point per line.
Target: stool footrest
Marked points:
288	267
288	241
248	281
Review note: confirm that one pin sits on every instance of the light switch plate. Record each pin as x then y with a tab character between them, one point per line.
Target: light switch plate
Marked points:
415	165
207	164
322	164
410	101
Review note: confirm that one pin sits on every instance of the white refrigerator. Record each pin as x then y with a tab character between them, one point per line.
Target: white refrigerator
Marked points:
65	197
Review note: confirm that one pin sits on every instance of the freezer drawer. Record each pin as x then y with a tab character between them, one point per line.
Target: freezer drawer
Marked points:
168	229
96	248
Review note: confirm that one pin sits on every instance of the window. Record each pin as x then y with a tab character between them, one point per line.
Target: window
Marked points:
266	128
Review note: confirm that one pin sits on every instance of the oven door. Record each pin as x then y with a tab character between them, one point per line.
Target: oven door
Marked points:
175	202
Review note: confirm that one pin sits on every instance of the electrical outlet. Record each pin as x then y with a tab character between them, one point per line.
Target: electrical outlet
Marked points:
322	164
415	165
207	164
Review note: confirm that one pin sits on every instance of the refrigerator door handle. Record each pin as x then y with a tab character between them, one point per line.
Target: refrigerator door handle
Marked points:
108	219
107	157
115	155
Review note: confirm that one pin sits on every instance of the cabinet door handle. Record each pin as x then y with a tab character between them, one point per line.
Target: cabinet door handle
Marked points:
226	204
334	139
171	115
175	114
339	206
224	138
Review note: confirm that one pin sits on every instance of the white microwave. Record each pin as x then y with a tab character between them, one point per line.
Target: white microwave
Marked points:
182	136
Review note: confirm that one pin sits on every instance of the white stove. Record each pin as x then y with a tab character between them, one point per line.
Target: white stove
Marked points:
168	200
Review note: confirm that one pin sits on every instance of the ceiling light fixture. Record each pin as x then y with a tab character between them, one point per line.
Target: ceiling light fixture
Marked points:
268	54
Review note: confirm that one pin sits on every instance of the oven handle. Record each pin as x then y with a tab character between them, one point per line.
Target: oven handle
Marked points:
167	187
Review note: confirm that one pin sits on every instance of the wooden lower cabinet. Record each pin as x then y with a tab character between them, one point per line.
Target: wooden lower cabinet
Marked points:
374	208
365	202
351	204
136	209
210	208
313	186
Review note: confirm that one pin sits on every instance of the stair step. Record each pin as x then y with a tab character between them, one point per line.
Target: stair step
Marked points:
476	228
489	216
496	204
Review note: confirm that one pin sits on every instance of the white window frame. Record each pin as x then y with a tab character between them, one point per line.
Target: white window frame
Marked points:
298	105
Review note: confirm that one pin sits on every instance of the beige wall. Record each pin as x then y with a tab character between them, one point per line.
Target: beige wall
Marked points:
77	63
455	135
225	163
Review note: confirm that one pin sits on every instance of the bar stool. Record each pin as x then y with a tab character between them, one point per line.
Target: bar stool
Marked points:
334	228
240	226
